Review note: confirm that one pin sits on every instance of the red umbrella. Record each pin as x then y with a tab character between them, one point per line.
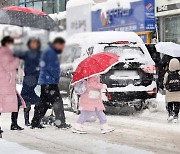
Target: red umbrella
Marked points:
27	17
93	65
24	9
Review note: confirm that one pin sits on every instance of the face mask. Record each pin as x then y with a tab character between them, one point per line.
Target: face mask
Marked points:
11	47
60	51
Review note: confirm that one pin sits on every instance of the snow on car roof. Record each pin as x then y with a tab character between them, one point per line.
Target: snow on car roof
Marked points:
91	38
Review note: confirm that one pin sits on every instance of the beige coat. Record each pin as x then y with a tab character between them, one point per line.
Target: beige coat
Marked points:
174	65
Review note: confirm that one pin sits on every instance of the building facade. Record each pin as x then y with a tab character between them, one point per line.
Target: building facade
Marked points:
168	14
4	3
48	6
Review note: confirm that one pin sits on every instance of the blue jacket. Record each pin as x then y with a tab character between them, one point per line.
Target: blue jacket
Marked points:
31	60
49	67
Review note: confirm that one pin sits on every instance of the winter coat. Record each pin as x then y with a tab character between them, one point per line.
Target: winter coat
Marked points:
8	94
92	98
31	60
174	65
49	67
163	68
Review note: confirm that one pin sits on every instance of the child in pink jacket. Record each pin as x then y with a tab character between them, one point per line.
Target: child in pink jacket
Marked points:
90	104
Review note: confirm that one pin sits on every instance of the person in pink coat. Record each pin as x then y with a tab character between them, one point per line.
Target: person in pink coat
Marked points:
8	94
91	104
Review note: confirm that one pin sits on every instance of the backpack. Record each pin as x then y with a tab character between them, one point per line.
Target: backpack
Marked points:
173	81
80	87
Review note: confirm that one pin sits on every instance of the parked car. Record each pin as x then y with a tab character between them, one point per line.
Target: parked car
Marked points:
130	83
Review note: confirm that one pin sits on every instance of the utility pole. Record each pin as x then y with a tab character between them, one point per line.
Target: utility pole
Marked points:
57	6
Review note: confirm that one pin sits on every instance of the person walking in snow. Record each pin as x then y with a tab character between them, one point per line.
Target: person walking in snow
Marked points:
31	60
163	67
10	100
49	79
90	103
172	87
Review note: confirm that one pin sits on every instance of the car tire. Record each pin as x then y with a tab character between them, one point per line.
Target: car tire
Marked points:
74	98
139	106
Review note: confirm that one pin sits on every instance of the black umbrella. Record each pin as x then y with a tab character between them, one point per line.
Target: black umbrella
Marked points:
27	17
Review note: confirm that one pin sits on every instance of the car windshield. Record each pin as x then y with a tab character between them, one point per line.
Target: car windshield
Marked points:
124	50
71	53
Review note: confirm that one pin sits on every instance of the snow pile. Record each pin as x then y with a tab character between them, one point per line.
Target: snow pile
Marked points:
59	16
112	4
75	3
9	148
105	6
161	103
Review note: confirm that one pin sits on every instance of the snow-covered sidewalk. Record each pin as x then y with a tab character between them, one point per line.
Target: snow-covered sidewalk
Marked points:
14	148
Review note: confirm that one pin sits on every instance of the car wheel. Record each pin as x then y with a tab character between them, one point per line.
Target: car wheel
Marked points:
138	106
74	102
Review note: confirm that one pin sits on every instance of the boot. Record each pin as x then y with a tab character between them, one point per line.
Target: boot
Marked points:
1	133
175	119
26	117
14	125
39	126
170	118
106	129
78	129
64	126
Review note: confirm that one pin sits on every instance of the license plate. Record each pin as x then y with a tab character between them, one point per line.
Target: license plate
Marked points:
125	74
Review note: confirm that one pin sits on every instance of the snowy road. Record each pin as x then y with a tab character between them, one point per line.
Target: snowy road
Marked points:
146	131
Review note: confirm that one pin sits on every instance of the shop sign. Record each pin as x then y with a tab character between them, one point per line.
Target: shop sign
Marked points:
117	13
77	21
140	17
169	7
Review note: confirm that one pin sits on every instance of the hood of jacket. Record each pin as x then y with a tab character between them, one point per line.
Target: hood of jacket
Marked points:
34	39
174	65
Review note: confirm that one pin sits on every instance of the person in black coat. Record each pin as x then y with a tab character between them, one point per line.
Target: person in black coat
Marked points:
31	60
163	68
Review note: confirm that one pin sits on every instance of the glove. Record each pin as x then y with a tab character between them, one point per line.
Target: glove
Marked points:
104	86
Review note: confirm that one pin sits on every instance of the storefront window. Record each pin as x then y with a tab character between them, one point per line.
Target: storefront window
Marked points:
172	30
30	4
38	6
21	1
48	6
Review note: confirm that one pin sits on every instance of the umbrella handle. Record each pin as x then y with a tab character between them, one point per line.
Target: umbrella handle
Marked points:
108	95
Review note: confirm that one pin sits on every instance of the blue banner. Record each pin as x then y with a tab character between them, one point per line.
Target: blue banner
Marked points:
140	17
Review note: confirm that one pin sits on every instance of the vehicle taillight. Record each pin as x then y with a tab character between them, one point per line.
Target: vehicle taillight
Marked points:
154	91
149	69
122	42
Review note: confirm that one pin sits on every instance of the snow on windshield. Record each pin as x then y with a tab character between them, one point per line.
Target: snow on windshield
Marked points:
123	51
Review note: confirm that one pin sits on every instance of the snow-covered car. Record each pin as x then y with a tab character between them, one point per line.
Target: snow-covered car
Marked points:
130	82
